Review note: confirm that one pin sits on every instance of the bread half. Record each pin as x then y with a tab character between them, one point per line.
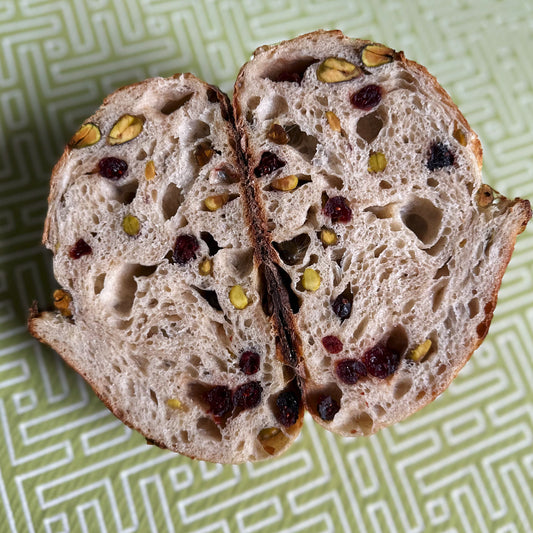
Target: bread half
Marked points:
149	268
402	245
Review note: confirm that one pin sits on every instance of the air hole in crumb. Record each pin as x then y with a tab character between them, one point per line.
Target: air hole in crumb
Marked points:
141	155
398	340
125	194
365	423
441	369
184	436
473	307
153	397
438	297
99	283
334	181
437	247
432	182
369	126
422	218
292	252
253	102
381	212
442	272
288	69
209	429
172	199
212	244
174	104
408	306
125	286
402	388
384	185
379	250
300	141
420	395
242	262
197	130
209	296
311	218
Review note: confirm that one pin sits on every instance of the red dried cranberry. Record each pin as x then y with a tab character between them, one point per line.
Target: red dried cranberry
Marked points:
269	162
342	306
248	395
332	344
112	168
79	248
185	249
350	370
440	156
288	404
327	408
338	209
381	361
367	97
219	400
249	362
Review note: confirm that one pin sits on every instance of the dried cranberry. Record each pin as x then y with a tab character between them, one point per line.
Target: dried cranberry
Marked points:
440	156
327	408
79	248
350	370
342	306
367	97
332	344
288	404
112	168
269	162
249	362
185	249
338	209
248	395
381	361
219	400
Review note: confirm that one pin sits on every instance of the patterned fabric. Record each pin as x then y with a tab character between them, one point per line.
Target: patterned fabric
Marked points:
465	463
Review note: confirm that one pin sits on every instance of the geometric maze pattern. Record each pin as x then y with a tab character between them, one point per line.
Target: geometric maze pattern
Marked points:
465	463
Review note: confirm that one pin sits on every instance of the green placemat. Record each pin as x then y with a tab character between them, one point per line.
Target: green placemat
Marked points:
465	463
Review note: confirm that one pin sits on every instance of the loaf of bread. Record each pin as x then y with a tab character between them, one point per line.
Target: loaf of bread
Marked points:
329	247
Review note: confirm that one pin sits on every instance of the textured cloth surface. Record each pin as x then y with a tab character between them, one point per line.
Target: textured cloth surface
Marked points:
465	463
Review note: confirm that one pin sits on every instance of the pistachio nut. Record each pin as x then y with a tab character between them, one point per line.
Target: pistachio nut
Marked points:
87	135
125	129
336	69
375	55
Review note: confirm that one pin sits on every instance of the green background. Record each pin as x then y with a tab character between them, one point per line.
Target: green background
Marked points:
465	463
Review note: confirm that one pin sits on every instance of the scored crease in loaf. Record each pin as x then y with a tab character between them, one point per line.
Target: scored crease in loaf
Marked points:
421	258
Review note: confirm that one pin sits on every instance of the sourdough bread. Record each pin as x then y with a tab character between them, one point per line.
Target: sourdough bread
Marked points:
337	250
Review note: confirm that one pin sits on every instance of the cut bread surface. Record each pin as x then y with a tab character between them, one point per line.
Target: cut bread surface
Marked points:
339	245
